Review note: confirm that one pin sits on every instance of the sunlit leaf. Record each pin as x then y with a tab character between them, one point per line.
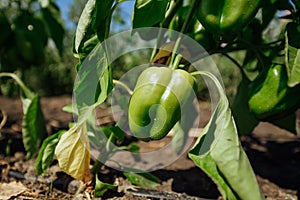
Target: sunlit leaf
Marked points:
73	153
218	152
87	90
84	24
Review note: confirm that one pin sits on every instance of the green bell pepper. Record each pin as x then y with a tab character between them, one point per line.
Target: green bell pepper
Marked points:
270	97
226	17
157	102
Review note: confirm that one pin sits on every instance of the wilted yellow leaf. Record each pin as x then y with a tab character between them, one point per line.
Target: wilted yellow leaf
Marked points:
72	152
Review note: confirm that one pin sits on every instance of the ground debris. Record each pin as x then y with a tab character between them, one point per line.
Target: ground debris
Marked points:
12	189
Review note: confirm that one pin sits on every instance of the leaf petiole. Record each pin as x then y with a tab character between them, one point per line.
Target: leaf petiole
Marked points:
123	85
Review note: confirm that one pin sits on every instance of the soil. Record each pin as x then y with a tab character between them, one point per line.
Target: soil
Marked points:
274	154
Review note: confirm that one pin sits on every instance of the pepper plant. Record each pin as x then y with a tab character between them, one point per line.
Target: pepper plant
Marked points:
269	65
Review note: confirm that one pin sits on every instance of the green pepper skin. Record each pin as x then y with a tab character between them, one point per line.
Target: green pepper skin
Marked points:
270	97
226	17
157	100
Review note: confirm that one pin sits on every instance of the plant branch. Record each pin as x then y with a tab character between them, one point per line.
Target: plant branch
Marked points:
123	85
184	28
25	89
170	14
4	119
236	63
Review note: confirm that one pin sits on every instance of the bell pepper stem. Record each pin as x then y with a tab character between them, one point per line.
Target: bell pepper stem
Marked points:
123	85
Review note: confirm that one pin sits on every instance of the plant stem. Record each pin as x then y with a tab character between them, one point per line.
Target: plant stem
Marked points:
254	49
25	89
123	85
107	146
236	63
165	23
156	44
96	167
184	28
170	14
4	119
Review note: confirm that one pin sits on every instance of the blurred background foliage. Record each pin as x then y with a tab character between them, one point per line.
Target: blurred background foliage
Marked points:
52	69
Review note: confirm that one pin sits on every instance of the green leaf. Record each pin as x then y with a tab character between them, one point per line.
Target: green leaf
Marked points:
83	31
55	26
133	147
103	13
101	188
87	47
46	153
148	13
70	109
106	86
179	138
118	132
33	125
219	153
144	179
244	119
94	21
292	60
95	68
